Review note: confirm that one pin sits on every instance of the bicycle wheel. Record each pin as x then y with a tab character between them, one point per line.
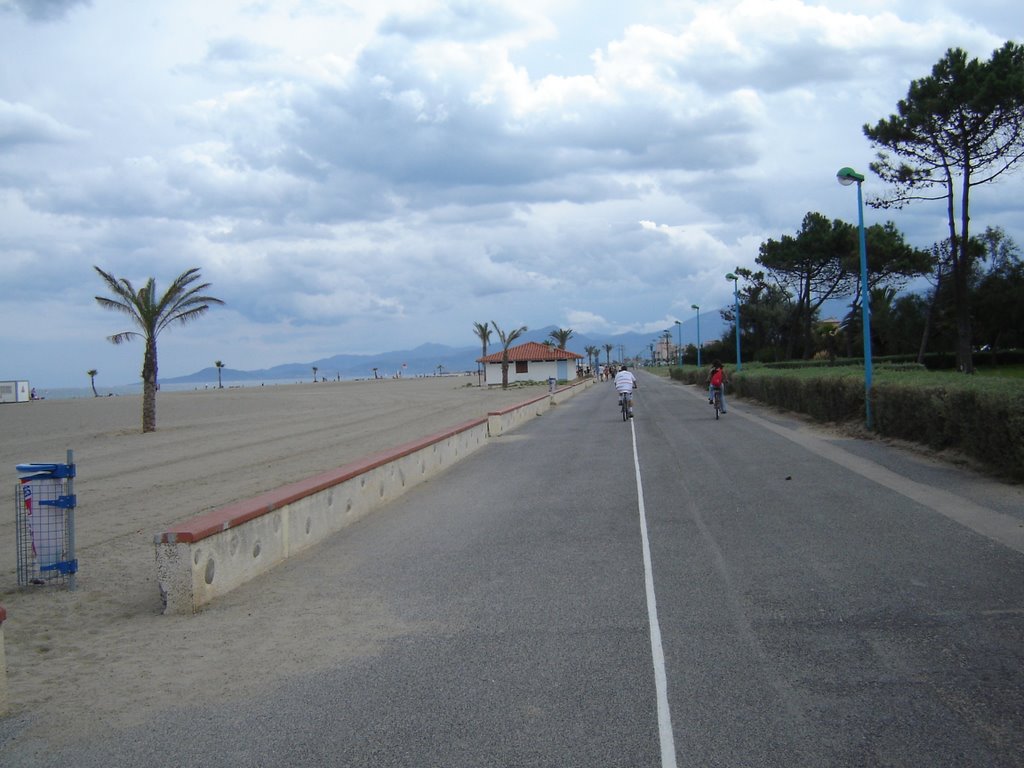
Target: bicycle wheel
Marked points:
625	409
718	403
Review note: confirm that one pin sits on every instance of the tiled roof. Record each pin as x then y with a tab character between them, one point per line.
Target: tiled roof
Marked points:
532	352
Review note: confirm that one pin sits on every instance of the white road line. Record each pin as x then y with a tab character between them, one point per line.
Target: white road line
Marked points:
668	744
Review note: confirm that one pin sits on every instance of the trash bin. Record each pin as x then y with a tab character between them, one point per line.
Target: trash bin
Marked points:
45	523
551	383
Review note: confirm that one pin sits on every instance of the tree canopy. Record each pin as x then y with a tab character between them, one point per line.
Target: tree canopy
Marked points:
182	302
958	128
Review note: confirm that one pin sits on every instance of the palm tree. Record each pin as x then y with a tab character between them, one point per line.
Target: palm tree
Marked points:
483	332
593	356
315	369
92	380
608	353
562	336
506	342
182	302
219	365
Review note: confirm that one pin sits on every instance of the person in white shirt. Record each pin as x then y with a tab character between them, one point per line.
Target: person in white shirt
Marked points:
625	383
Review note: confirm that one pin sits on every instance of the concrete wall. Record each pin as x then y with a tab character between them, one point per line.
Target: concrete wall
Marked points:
499	422
209	555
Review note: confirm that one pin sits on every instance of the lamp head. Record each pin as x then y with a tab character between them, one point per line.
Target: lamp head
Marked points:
694	306
847	176
731	276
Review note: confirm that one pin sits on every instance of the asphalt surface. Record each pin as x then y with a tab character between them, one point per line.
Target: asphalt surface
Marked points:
810	611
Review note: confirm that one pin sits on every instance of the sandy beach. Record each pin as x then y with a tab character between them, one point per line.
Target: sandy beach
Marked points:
104	651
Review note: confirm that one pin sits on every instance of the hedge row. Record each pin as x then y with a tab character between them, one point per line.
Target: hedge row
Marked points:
933	361
982	418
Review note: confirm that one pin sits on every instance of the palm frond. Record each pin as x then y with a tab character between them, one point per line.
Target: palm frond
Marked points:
121	338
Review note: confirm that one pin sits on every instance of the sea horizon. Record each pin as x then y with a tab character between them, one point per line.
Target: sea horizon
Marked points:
128	390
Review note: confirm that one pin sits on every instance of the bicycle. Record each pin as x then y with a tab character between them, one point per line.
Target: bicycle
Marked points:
717	400
624	404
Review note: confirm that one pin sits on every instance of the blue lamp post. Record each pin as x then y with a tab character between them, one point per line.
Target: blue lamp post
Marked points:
736	299
694	306
846	177
679	349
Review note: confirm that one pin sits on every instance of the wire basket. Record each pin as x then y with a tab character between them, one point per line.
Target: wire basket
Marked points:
44	525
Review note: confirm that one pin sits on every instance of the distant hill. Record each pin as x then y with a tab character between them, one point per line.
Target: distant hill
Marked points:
425	359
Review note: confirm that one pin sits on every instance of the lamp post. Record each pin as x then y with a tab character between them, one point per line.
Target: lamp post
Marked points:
694	306
736	299
654	360
679	349
846	177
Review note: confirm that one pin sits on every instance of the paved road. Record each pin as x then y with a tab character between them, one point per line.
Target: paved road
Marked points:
673	591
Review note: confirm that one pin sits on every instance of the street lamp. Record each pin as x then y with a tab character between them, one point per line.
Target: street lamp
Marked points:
846	177
736	299
679	349
694	306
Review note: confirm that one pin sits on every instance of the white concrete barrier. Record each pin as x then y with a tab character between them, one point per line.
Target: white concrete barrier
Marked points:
563	394
499	422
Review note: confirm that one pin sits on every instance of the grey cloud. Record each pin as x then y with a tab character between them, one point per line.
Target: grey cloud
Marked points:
393	122
257	230
237	49
43	10
123	192
395	136
771	68
21	124
464	20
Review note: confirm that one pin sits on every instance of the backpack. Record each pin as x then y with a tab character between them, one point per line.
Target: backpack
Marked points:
716	377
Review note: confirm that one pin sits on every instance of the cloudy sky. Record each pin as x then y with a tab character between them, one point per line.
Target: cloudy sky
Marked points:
359	177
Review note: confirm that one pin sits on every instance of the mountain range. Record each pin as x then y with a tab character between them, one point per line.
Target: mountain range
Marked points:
429	359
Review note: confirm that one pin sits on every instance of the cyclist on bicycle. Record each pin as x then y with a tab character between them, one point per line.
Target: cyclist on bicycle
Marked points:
716	381
625	383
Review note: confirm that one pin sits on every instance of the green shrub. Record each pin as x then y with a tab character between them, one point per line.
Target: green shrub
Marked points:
982	417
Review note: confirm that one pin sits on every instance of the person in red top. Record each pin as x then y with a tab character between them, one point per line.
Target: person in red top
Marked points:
716	381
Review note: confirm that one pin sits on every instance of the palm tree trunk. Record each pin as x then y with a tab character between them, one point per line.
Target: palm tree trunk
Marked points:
149	388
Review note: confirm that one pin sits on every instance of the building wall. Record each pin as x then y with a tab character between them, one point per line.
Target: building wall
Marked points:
536	371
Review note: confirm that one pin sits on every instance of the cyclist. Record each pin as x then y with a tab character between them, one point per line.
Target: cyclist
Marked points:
625	383
716	381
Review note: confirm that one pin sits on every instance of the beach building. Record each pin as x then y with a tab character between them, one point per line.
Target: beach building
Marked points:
14	392
532	362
